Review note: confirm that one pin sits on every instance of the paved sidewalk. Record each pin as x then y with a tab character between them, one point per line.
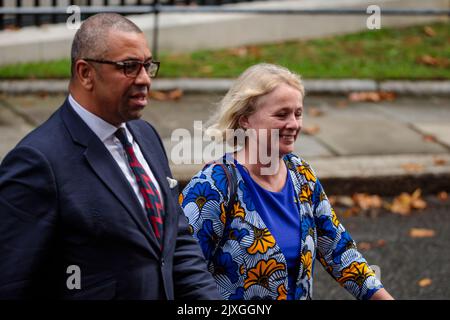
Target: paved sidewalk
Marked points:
384	147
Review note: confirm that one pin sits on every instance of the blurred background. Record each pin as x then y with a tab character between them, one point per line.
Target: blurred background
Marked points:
377	108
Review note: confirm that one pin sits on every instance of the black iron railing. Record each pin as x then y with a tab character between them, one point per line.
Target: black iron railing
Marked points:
19	19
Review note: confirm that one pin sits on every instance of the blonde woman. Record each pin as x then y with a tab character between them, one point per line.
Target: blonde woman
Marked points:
261	238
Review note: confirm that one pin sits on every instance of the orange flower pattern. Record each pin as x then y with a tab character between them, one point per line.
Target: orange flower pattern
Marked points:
251	263
263	241
260	275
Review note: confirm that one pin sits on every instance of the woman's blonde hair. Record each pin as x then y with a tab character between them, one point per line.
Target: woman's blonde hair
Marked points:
241	99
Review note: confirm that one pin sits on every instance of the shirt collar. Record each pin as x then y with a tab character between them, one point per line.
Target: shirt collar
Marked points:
100	127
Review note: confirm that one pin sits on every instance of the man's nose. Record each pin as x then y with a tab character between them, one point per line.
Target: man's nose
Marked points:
143	78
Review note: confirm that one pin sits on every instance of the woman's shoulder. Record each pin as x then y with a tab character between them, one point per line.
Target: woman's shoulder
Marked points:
296	160
301	166
212	171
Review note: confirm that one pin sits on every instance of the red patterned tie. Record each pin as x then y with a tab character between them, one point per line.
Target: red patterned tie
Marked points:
152	201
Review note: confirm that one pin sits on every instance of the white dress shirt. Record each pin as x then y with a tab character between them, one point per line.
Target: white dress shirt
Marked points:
105	132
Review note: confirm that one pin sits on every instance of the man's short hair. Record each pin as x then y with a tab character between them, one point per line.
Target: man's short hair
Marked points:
91	39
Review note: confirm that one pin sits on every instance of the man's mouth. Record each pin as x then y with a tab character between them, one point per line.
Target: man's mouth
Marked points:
139	99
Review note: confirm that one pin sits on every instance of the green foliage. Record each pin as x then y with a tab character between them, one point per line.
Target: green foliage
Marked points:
387	53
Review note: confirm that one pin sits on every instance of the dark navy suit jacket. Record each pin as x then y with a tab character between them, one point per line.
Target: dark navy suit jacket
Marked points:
64	201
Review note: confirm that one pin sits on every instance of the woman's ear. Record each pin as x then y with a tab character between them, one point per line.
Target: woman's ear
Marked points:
85	74
243	122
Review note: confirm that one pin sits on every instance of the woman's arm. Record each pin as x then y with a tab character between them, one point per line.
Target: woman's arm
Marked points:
381	294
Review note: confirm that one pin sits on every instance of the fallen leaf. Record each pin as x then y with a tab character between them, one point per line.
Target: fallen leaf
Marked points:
11	27
206	69
428	60
416	201
439	161
365	201
238	52
405	203
413	167
421	233
388	96
364	96
42	94
380	243
254	51
413	40
310	131
429	138
371	96
315	112
425	282
353	211
165	96
443	196
342	104
332	200
364	246
429	31
345	201
175	94
433	61
370	245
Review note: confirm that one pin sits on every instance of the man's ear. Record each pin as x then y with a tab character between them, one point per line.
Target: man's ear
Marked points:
85	74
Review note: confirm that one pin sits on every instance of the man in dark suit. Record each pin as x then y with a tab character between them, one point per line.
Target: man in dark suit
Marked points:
88	206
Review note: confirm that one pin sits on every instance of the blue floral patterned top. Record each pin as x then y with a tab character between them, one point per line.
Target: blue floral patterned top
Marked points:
245	259
279	212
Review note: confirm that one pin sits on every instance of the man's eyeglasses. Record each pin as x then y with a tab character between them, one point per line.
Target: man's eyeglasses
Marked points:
131	68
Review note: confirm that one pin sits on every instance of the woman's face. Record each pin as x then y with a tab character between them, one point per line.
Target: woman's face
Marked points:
282	110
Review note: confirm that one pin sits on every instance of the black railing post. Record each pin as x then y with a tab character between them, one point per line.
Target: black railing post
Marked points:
2	22
18	16
37	19
54	17
155	29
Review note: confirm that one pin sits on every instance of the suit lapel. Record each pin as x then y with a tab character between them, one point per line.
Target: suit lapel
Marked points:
107	170
153	158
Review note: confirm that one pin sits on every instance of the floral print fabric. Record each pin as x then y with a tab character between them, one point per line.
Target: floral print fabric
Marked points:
243	256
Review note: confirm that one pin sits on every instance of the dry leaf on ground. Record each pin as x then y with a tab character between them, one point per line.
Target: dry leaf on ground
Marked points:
429	31
166	96
429	138
413	167
443	196
421	233
366	201
310	131
381	243
206	69
353	211
315	112
175	94
252	51
332	200
439	161
371	96
342	104
238	52
405	203
369	245
425	282
344	201
364	246
433	61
